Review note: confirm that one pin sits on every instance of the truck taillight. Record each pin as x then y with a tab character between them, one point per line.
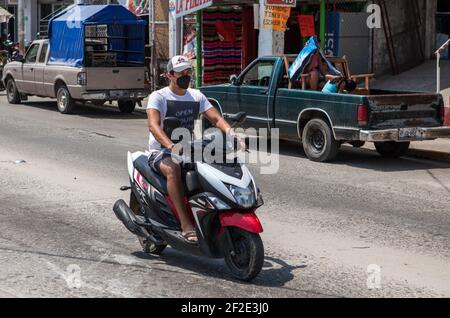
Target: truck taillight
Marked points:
82	78
442	110
362	115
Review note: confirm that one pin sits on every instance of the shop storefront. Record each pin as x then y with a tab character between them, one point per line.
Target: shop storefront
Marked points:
228	39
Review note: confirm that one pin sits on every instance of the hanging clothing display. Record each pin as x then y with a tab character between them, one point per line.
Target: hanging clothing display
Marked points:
222	43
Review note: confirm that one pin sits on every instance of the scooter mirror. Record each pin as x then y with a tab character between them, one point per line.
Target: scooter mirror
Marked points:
238	119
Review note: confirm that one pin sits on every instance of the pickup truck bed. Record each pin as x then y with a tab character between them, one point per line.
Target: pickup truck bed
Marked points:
325	121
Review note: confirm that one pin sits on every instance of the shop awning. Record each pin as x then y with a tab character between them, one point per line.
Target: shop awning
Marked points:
5	15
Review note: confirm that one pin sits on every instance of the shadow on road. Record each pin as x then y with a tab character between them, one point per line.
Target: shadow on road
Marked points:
89	110
275	272
363	158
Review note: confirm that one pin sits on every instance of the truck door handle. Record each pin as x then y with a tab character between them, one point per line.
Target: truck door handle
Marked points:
264	92
116	71
31	69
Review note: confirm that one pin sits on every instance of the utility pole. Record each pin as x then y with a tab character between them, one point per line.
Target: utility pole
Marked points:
323	26
21	26
151	24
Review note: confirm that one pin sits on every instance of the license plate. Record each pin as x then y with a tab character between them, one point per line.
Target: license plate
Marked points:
407	133
117	93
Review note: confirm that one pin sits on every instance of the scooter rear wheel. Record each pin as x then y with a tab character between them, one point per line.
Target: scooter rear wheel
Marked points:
246	259
147	246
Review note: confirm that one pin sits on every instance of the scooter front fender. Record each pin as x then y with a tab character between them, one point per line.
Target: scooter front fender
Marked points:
246	221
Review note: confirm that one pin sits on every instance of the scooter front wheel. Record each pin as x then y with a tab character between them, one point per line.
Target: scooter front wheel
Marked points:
246	257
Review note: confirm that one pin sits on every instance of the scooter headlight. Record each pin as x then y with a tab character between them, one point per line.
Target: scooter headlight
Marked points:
245	197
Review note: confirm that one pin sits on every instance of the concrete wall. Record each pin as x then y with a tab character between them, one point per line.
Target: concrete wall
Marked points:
405	38
31	20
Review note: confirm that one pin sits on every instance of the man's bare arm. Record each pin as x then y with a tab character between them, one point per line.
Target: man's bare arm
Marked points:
217	120
154	125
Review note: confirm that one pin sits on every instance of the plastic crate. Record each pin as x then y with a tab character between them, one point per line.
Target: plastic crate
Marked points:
104	59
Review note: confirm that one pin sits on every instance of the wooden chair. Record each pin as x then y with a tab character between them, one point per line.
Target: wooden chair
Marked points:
341	64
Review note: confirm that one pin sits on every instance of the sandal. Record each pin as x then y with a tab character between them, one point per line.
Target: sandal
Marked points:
190	237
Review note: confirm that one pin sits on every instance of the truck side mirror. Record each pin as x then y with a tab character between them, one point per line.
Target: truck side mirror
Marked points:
19	58
233	79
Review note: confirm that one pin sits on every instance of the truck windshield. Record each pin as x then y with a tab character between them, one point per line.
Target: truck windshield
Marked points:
32	54
259	74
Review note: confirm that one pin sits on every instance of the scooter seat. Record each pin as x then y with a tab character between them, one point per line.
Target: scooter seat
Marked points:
156	180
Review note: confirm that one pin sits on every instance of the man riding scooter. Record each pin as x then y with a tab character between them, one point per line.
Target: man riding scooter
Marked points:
178	100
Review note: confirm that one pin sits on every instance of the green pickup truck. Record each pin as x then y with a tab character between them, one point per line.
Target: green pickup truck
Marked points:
322	121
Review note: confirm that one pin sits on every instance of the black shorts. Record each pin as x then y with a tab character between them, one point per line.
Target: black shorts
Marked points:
156	157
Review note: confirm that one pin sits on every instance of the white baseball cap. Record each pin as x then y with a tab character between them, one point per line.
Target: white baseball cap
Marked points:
178	63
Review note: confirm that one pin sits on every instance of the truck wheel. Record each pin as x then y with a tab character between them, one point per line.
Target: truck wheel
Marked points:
12	93
392	149
318	141
126	106
65	102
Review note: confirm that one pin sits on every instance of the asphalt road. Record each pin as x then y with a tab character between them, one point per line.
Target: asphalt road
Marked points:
326	225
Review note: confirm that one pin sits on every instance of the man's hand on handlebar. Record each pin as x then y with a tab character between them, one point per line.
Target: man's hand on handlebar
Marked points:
238	141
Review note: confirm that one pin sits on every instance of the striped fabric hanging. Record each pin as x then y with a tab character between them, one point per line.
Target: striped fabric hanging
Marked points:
222	43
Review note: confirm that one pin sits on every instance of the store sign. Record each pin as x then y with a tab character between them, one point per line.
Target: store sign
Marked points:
306	24
184	7
138	7
275	18
172	5
281	3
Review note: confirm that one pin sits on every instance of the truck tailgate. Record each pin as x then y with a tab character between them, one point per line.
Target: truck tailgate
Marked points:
107	78
404	110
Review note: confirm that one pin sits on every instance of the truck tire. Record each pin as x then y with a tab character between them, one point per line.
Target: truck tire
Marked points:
392	149
65	102
127	106
12	93
318	141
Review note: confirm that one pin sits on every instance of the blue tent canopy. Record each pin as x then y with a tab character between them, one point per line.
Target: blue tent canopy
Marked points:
126	33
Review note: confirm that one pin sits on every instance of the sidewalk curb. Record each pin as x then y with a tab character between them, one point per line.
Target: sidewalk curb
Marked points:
429	154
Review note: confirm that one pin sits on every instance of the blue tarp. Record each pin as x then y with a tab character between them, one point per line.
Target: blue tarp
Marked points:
304	58
67	36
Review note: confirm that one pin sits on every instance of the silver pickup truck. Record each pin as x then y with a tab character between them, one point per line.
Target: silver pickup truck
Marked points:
32	75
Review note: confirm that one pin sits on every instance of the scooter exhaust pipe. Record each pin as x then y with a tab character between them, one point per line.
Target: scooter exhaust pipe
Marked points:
124	214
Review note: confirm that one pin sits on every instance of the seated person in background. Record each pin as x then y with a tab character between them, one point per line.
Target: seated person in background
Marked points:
317	69
338	84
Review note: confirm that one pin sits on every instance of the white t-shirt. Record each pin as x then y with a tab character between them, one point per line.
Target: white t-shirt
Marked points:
187	108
